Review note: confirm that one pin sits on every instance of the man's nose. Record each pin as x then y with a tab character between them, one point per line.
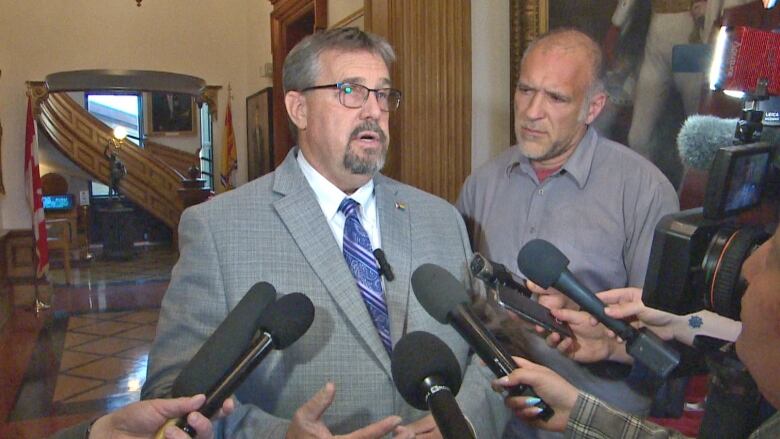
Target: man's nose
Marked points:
535	108
370	108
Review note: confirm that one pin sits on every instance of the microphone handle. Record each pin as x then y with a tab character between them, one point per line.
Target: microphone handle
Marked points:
492	353
228	383
260	348
587	300
445	410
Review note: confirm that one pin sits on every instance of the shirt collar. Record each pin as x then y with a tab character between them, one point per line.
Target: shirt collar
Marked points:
578	166
328	195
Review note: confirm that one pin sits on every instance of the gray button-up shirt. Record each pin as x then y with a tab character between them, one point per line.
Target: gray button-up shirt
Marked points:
600	209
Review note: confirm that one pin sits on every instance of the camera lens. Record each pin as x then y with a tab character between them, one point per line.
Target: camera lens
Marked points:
722	266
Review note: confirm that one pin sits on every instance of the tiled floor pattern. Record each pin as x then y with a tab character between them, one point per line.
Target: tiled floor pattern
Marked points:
87	355
151	262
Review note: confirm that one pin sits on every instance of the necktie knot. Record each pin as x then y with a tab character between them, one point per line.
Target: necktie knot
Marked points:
348	207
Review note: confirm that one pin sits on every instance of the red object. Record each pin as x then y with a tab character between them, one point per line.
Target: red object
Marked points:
32	176
751	54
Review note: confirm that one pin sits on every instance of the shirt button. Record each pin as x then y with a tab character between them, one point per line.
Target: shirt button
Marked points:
541	191
533	229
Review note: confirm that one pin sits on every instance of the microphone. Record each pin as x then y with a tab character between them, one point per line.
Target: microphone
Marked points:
446	300
277	327
384	268
427	375
546	266
702	136
494	274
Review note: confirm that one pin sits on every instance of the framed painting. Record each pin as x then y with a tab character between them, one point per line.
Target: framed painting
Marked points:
259	133
171	114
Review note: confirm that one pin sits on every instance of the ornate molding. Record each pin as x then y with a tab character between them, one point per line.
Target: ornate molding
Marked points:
38	92
527	20
210	96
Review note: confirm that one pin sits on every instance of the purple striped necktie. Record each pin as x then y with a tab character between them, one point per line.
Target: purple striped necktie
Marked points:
365	269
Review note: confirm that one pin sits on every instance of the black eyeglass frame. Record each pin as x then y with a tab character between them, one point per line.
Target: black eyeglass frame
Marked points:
340	86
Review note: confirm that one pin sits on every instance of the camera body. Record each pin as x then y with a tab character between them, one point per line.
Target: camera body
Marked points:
697	254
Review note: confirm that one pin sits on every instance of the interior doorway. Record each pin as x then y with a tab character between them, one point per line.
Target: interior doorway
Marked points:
291	21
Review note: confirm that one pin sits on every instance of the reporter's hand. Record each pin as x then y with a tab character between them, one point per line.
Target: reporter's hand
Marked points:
144	418
626	303
592	341
548	385
551	298
307	422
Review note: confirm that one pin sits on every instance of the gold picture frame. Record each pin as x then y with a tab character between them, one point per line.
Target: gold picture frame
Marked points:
170	114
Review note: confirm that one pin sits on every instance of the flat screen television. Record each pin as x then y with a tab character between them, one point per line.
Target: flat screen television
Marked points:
58	203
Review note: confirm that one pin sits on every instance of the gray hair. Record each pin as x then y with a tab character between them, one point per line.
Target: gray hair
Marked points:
595	54
302	66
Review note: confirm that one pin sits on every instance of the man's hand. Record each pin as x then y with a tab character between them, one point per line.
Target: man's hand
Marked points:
143	419
548	385
307	421
424	428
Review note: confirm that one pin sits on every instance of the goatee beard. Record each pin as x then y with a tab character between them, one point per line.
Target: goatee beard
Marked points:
373	162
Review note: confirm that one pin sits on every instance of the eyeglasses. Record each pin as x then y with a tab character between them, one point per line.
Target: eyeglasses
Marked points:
355	95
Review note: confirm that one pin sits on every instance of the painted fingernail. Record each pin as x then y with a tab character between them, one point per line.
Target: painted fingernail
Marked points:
530	402
503	381
535	410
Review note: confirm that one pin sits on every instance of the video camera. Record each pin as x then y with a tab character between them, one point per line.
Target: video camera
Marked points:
697	254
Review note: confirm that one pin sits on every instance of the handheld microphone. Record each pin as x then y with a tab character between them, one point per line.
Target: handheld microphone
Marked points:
427	375
446	300
494	274
384	268
546	266
278	326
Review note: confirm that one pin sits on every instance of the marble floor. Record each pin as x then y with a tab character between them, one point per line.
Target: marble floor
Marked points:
87	354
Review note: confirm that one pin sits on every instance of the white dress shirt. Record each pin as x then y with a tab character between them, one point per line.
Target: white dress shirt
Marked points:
329	198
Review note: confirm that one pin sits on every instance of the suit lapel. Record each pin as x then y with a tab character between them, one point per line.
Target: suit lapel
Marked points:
301	214
395	227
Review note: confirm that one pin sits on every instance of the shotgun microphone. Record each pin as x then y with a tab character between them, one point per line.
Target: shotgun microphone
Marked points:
278	326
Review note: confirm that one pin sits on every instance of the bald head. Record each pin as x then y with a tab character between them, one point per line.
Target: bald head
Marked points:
577	44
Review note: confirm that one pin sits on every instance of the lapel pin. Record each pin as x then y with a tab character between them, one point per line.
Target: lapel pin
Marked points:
400	206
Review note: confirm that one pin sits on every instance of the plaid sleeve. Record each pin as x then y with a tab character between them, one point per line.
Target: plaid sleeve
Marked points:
592	419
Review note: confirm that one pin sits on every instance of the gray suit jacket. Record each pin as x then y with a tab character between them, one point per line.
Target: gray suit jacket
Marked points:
272	229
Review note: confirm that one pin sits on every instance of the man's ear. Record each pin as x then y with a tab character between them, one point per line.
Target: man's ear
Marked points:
595	106
296	108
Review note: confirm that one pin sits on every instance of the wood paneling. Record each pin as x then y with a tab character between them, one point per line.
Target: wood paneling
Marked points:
430	145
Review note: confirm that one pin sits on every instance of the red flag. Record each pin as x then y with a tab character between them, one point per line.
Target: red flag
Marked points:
229	162
34	188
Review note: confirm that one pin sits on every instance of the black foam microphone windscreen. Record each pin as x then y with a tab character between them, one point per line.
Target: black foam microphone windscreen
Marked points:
287	319
417	356
231	338
427	375
438	291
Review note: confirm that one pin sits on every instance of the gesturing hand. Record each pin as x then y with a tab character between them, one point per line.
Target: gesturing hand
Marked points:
307	422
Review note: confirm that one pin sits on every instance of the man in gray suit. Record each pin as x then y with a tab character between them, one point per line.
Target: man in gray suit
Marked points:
294	229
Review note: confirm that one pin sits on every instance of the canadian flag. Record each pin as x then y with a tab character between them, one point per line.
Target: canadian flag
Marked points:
32	176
